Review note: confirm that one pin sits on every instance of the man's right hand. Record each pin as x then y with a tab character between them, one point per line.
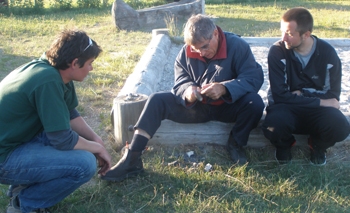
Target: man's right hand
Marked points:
330	103
190	93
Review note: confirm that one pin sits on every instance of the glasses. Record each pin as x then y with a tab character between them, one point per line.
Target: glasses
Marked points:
288	34
89	45
201	49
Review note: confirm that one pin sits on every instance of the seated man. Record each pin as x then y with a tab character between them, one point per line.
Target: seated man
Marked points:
46	149
305	83
216	78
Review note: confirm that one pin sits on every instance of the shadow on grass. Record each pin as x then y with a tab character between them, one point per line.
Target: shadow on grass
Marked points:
338	30
247	27
10	62
323	5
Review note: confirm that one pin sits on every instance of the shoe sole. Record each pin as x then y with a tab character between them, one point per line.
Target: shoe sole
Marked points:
318	164
121	178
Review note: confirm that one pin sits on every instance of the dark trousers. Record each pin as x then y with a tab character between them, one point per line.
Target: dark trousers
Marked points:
245	112
325	125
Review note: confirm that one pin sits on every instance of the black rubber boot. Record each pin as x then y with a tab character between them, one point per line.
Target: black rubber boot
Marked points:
130	165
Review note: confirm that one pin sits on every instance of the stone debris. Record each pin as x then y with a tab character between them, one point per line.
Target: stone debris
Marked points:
208	167
190	153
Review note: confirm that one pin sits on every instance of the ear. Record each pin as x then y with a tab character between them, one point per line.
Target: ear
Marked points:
216	33
307	34
74	63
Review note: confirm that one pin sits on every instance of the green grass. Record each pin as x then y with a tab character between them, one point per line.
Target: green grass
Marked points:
262	186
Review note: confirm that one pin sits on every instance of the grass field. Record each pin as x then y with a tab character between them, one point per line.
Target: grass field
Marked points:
261	186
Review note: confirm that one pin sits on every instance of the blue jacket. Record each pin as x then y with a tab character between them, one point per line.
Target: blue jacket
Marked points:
238	71
320	79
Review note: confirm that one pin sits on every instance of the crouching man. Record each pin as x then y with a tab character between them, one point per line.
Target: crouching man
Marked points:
46	148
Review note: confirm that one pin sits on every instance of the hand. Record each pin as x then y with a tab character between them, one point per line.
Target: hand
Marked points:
213	90
190	93
103	161
330	103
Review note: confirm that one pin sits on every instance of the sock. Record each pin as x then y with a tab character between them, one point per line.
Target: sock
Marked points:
138	143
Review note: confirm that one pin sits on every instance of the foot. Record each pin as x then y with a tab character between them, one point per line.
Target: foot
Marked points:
283	155
130	165
14	207
318	157
14	190
236	152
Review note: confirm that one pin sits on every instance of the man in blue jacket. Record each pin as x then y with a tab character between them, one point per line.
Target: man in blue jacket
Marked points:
305	84
216	78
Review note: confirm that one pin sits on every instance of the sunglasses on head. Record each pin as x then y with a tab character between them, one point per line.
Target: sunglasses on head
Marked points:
89	45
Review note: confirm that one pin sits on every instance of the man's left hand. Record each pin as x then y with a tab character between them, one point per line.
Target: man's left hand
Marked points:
213	90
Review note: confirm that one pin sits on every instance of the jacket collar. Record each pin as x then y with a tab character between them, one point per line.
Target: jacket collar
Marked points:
220	54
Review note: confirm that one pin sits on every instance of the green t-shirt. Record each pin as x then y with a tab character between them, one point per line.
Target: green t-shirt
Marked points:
33	98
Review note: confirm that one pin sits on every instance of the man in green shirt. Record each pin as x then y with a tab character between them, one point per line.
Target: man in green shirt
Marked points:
47	150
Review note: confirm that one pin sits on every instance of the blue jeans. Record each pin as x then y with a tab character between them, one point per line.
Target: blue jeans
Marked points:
50	174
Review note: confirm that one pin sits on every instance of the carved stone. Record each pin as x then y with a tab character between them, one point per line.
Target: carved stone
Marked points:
126	18
124	15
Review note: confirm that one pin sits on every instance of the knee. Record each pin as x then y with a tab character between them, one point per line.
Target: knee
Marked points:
336	126
341	132
274	129
157	100
254	103
87	164
159	97
268	131
255	100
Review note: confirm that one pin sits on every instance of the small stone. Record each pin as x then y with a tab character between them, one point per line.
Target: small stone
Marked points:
208	167
190	153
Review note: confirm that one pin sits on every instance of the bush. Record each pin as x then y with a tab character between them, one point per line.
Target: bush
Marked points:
23	6
61	4
89	3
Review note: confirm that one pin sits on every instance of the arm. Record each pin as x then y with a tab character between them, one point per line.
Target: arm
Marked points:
247	73
90	141
79	125
328	65
62	130
103	157
185	79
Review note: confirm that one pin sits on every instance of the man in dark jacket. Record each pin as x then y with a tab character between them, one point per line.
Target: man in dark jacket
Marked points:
216	78
305	84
